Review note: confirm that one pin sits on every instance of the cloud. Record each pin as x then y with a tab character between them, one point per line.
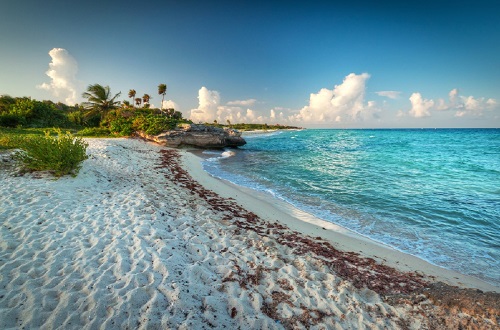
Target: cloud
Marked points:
453	95
345	102
464	105
420	107
469	105
491	103
169	104
210	109
244	103
390	94
344	105
62	72
207	109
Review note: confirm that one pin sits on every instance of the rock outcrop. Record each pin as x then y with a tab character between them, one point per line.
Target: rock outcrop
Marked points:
197	136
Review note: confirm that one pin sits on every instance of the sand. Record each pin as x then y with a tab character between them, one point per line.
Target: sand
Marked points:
143	238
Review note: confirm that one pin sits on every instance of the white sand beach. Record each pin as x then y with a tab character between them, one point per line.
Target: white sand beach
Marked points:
142	238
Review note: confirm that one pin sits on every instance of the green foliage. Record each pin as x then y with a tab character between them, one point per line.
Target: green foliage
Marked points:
153	124
91	119
100	99
101	115
11	120
61	155
27	112
77	118
162	90
131	93
23	131
95	132
146	98
10	138
6	101
7	142
124	122
145	111
121	126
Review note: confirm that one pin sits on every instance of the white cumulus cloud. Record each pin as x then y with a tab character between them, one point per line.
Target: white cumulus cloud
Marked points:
210	109
345	102
343	105
62	72
420	107
208	103
464	105
169	104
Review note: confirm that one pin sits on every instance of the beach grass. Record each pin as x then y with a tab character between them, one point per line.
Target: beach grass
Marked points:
10	137
95	132
59	152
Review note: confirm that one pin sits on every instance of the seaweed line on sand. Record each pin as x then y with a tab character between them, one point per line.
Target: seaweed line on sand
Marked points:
395	286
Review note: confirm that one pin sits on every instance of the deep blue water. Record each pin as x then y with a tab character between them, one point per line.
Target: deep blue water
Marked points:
432	193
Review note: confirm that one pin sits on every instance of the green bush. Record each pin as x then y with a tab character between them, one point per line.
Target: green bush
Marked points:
32	113
121	126
10	137
7	142
77	118
153	124
94	131
61	155
11	120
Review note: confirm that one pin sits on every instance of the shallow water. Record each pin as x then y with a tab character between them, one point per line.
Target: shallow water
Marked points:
431	193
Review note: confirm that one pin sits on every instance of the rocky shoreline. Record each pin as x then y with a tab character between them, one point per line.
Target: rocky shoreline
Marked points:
199	136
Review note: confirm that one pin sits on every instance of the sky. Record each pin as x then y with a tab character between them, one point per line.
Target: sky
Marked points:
327	64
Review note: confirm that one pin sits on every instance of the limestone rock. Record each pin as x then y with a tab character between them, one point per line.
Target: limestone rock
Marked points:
198	136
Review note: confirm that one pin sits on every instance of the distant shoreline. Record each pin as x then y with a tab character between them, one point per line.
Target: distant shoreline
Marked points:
266	131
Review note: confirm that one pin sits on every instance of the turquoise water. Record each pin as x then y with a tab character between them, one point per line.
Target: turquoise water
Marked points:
432	193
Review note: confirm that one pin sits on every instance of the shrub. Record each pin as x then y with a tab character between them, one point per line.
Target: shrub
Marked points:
124	122
11	120
121	126
76	118
91	120
6	142
94	131
153	124
32	113
61	155
10	137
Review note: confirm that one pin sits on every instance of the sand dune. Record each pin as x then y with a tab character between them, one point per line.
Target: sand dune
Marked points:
125	244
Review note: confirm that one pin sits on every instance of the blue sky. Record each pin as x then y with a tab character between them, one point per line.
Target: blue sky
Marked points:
313	64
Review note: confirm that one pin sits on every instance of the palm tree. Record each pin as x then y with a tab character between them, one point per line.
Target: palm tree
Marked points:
146	98
100	100
126	104
138	101
131	94
162	90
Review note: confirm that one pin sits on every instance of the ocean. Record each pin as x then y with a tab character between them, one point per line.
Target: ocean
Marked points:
432	193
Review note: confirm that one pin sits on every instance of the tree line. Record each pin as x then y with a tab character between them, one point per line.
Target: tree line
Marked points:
102	109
